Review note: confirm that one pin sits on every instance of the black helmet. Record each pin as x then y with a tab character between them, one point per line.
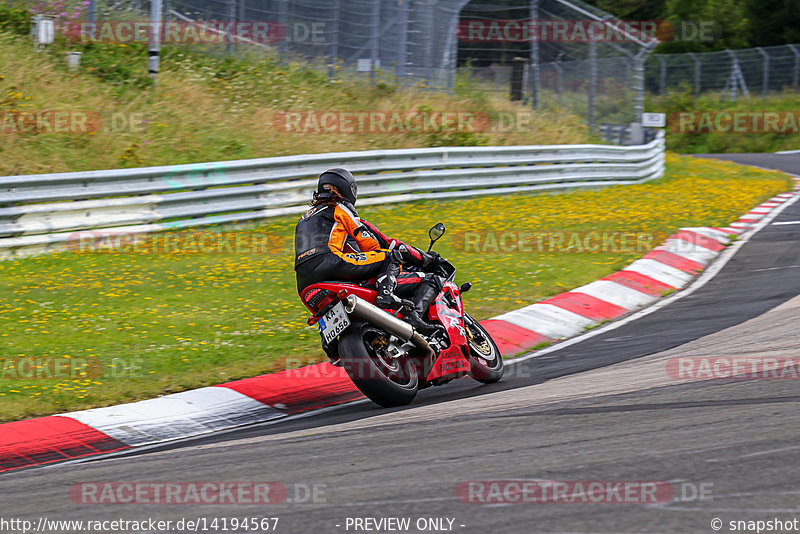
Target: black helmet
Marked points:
342	180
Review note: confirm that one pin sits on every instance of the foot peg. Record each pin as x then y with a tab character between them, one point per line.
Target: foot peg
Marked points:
393	302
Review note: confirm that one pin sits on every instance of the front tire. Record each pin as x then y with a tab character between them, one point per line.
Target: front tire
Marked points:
385	381
487	363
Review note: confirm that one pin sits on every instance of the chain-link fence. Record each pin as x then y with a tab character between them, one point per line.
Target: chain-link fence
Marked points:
732	73
558	54
412	40
433	41
577	58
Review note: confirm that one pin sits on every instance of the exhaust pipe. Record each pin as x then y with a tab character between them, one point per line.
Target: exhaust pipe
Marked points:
364	310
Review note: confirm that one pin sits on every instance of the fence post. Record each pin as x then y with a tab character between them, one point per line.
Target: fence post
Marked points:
91	14
517	78
697	67
375	38
559	77
534	16
333	54
283	20
736	79
662	85
638	83
402	49
153	59
765	74
796	76
231	16
592	81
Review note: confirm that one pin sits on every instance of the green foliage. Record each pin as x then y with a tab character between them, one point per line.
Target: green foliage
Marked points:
740	23
723	142
15	20
773	22
120	65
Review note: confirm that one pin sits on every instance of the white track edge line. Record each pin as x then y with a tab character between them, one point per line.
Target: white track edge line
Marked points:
699	282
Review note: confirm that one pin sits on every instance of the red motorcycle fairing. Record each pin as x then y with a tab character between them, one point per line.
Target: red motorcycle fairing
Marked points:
453	361
334	287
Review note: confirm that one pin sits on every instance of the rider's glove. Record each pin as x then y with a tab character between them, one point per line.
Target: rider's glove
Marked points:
429	259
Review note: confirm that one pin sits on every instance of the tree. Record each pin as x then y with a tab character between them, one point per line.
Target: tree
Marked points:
773	22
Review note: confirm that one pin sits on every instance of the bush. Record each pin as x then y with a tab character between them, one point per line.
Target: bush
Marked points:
15	20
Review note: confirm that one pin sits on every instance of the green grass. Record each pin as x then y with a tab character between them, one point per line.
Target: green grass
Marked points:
185	320
212	107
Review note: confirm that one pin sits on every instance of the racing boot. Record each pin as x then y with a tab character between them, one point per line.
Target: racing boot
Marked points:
422	298
385	283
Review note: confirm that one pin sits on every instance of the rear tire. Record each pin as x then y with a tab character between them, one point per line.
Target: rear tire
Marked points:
487	363
385	381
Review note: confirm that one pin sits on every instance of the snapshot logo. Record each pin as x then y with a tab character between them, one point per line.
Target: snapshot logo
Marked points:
401	122
194	493
579	492
737	367
51	368
735	122
188	242
584	31
494	242
197	32
70	122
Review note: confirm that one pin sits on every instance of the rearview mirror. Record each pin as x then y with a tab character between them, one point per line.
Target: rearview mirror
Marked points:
435	233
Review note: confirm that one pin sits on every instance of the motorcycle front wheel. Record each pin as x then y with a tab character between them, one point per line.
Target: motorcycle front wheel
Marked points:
487	363
385	380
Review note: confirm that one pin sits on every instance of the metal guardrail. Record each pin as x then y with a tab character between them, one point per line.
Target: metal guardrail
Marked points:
42	212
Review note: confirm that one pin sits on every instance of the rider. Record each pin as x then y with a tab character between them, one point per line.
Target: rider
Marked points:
332	243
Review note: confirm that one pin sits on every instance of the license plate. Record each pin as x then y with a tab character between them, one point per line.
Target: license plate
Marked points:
333	323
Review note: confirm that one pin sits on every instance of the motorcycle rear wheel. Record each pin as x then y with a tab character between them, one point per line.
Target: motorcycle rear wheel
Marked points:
385	381
487	363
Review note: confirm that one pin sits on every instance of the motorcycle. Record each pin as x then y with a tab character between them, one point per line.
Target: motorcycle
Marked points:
387	360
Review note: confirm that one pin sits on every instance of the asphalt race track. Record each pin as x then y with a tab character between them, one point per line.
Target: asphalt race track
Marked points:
606	409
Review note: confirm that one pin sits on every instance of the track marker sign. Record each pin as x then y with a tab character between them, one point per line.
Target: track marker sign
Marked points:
654	120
